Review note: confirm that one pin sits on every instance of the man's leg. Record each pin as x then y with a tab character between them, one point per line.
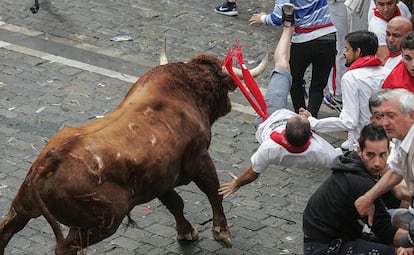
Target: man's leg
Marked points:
280	79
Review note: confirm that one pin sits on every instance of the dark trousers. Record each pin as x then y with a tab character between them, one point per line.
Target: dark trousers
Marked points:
354	247
320	53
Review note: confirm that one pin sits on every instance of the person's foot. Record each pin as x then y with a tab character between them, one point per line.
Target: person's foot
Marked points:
288	14
227	8
332	103
349	144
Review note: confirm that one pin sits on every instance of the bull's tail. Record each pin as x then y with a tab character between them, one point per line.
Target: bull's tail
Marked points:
36	7
46	165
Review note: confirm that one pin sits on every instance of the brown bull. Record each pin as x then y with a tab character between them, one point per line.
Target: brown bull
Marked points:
90	177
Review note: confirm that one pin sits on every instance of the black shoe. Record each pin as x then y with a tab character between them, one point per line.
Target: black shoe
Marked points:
288	14
227	8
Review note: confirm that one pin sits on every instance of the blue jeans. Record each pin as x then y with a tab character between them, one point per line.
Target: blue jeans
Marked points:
277	92
357	246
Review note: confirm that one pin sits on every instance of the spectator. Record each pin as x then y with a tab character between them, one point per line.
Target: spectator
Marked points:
331	224
402	76
285	137
397	27
397	111
228	8
313	43
364	77
383	12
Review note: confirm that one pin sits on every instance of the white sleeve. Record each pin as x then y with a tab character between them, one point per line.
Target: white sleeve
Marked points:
267	153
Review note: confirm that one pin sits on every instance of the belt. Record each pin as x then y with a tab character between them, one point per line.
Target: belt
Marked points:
331	36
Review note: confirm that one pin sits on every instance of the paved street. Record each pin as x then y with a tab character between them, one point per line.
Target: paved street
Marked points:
59	68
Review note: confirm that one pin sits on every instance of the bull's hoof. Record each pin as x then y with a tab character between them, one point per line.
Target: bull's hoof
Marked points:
189	236
223	236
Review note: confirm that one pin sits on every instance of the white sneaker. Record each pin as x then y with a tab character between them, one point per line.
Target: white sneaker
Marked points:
349	144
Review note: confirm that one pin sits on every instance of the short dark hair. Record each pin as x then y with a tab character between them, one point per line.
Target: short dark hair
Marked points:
372	132
407	43
297	131
365	40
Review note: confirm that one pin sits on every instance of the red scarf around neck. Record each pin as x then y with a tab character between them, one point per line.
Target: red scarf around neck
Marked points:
392	55
365	61
378	14
399	78
281	139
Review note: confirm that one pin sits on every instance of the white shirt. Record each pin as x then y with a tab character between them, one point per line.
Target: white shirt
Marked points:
392	62
320	153
379	26
399	154
357	87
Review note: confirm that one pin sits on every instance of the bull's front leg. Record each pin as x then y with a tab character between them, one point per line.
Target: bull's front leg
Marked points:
175	204
208	182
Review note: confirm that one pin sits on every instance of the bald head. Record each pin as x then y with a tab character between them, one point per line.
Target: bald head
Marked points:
397	27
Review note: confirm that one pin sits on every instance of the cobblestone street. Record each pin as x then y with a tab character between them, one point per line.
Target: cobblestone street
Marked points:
59	68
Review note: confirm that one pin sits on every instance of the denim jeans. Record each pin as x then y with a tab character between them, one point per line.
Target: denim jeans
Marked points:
356	247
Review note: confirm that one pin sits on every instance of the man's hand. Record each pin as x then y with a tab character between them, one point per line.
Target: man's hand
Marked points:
365	207
405	251
229	188
304	112
255	19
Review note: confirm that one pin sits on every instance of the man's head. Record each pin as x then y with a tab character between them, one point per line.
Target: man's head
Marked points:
359	44
386	8
298	130
397	27
373	148
407	48
396	111
374	104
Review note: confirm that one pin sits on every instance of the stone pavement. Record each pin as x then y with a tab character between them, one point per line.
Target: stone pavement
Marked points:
59	67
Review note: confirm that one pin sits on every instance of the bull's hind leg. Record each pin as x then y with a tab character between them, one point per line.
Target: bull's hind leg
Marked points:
80	238
175	205
12	224
208	182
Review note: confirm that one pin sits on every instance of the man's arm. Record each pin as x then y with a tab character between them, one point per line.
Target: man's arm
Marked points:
365	203
246	177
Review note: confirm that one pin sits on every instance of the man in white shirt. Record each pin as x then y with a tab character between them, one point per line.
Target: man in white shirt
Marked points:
397	27
381	13
365	75
285	137
397	118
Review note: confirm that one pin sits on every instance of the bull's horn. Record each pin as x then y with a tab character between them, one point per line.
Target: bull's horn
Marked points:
163	54
258	70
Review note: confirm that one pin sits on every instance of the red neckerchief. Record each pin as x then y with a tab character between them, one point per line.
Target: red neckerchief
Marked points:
365	61
378	14
399	78
251	87
392	55
281	139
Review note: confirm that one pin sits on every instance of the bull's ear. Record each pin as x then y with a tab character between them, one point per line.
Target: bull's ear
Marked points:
163	52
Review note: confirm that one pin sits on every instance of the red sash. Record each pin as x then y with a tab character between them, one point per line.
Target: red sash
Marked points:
281	139
312	28
365	61
251	87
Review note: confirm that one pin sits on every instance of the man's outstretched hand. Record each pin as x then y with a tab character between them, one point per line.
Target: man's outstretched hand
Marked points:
229	188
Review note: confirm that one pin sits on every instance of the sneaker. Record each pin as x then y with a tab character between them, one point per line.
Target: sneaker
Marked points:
288	16
332	103
349	144
227	8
